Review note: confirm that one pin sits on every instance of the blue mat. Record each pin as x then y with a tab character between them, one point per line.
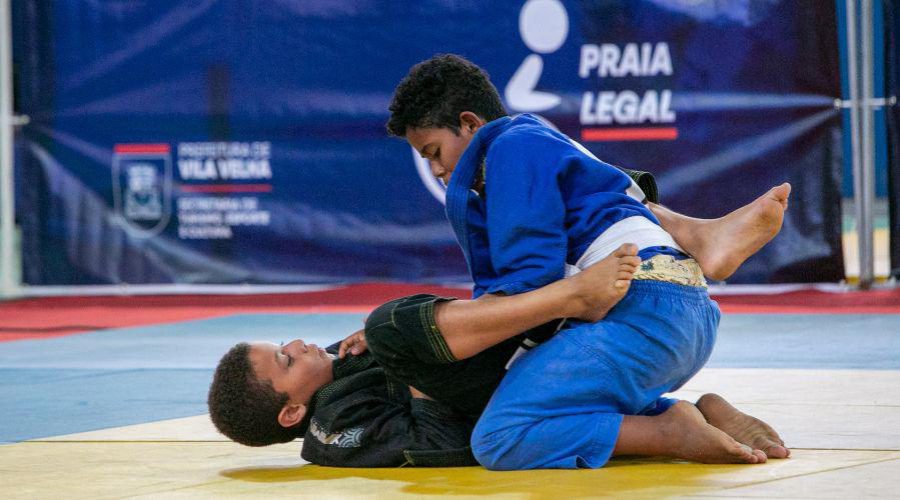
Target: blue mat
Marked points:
129	376
824	341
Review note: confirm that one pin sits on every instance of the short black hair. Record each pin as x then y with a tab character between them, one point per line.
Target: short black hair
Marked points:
244	408
436	91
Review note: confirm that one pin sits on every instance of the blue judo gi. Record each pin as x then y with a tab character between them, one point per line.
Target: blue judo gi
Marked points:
546	201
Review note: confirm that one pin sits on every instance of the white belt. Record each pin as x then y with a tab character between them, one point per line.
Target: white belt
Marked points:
637	229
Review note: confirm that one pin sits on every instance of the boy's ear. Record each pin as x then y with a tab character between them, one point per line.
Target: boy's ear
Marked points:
291	414
470	122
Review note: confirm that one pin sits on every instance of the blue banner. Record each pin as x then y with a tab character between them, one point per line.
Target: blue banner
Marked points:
892	91
243	141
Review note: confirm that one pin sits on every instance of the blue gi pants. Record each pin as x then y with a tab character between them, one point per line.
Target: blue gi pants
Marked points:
562	403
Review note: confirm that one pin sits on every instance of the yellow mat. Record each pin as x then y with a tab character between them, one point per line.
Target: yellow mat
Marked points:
844	427
99	470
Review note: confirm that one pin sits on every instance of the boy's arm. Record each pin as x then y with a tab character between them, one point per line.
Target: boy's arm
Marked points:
525	214
471	326
526	211
436	330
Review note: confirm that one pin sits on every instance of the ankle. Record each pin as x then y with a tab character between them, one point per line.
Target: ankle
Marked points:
575	299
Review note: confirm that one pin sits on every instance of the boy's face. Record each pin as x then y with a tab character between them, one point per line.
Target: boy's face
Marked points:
442	147
297	369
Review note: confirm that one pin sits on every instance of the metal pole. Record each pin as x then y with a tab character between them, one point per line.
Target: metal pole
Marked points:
7	283
852	81
865	184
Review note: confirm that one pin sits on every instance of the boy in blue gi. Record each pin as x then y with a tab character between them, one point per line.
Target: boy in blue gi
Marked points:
529	206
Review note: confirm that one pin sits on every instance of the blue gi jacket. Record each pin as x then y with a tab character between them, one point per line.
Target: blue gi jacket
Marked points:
546	200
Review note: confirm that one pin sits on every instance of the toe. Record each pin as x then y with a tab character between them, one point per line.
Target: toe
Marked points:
628	249
630	260
627	267
745	454
777	452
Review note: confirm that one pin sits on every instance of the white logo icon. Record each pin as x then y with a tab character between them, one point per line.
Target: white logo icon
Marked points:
544	26
143	195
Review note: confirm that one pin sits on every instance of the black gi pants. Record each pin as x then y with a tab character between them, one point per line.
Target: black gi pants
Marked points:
404	339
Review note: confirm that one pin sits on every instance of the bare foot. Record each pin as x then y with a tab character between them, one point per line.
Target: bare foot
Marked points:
742	427
687	436
600	287
721	245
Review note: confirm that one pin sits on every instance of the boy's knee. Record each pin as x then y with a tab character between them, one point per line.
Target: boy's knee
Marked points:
490	447
484	454
383	337
380	327
390	334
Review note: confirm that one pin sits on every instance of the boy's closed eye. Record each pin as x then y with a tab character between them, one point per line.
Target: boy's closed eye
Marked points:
290	359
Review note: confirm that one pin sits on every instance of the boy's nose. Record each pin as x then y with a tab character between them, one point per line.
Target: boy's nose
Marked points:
297	345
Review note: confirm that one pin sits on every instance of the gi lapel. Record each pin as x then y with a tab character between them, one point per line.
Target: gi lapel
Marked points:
462	179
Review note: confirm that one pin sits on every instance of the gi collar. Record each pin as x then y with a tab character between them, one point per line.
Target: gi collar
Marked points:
464	177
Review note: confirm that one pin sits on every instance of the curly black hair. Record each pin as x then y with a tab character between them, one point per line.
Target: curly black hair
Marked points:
244	408
436	91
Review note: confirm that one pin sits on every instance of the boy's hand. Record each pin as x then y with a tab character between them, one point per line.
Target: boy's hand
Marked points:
355	344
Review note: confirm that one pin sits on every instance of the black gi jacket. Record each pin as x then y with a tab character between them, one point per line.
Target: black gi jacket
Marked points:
364	419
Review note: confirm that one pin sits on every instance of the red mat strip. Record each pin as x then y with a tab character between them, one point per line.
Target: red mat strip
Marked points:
814	302
59	316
